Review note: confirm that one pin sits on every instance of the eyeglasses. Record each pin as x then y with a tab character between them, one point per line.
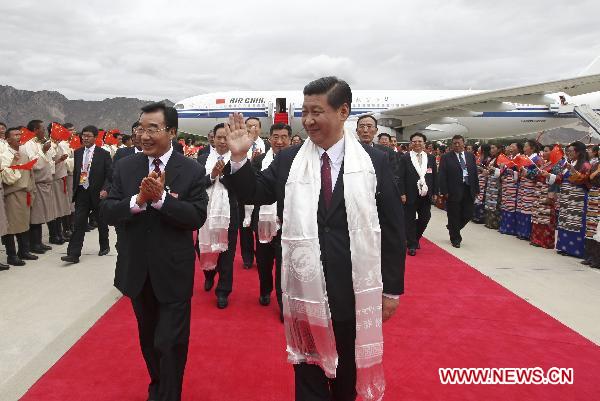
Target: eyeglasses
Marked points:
367	126
150	131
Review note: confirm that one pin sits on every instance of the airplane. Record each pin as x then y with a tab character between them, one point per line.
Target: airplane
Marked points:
519	111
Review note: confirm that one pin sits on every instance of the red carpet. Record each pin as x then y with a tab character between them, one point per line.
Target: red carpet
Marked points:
450	316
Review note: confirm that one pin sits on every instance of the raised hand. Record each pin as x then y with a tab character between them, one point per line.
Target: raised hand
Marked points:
217	169
238	139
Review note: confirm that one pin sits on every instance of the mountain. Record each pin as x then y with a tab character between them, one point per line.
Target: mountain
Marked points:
18	107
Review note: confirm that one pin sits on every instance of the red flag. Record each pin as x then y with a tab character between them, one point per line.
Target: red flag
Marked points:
100	138
110	138
26	166
59	133
75	142
220	101
26	135
522	161
502	159
556	154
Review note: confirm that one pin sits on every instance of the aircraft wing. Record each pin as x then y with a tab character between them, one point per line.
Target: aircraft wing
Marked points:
495	100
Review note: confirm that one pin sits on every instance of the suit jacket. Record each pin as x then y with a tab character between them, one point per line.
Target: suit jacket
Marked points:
268	186
451	176
100	174
233	204
157	244
177	147
123	152
407	182
393	159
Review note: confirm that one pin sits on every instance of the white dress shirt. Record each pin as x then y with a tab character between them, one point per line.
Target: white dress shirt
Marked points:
164	159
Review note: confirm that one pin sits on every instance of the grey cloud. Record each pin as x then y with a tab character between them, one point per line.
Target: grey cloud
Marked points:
155	50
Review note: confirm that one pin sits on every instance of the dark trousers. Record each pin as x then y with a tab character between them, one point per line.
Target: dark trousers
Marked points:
416	226
84	203
266	254
224	266
246	239
22	240
459	213
164	333
311	382
35	235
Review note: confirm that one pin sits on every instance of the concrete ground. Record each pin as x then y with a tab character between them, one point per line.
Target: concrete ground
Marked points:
48	305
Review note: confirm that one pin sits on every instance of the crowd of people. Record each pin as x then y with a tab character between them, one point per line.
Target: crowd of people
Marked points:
337	192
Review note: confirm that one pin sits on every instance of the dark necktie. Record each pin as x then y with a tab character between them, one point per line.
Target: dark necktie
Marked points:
326	179
463	165
156	163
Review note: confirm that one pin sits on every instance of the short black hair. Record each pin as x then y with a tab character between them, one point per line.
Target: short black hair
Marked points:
171	118
68	125
34	124
520	147
338	91
218	126
419	134
366	116
457	136
384	134
90	128
8	130
135	125
2	124
279	126
254	118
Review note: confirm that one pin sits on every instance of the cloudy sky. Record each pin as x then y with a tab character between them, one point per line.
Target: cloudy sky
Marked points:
158	49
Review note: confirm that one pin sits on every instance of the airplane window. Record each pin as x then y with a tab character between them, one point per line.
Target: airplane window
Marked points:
178	106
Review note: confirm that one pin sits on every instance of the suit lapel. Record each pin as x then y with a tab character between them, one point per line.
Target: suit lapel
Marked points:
173	168
142	169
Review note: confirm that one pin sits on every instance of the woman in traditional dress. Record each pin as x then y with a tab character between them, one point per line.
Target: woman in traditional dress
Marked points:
492	190
592	246
526	195
509	177
543	214
573	202
482	162
440	201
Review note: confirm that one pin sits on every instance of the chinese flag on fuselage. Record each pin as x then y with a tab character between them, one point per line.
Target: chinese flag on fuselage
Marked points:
220	101
59	133
26	135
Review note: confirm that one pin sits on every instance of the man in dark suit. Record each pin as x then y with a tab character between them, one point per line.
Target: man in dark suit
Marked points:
459	184
366	129
225	260
92	175
158	198
326	107
416	200
269	253
130	150
177	147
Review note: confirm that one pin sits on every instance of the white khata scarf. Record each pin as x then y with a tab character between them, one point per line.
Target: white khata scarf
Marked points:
421	171
212	236
259	144
308	326
268	222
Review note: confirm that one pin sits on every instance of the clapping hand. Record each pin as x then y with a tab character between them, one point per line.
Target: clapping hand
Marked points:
151	189
217	169
238	140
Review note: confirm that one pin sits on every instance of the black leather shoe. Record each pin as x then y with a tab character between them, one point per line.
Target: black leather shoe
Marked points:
586	262
456	244
104	251
4	267
67	235
27	256
222	302
15	261
281	316
37	249
57	241
264	300
45	247
70	259
208	284
412	252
